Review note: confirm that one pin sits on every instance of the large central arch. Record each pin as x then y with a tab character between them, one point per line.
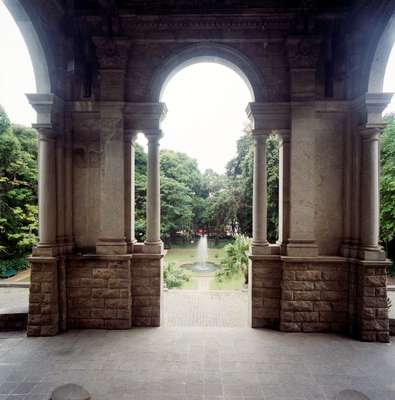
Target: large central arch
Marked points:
212	52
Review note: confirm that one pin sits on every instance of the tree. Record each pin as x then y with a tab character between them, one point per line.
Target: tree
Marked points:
387	186
235	260
241	169
18	189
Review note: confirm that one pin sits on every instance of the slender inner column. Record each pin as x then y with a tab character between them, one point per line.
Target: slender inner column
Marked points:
153	242
370	189
130	140
60	236
47	189
259	214
284	199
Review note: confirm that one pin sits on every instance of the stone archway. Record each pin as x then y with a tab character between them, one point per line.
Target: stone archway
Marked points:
327	271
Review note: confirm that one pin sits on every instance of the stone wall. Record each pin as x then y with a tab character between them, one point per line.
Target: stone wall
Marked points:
43	317
372	307
265	274
314	297
98	292
147	284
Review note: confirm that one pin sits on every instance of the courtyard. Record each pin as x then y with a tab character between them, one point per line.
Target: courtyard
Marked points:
195	363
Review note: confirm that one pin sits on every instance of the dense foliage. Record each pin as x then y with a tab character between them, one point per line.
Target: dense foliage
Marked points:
387	187
218	204
18	189
174	276
235	260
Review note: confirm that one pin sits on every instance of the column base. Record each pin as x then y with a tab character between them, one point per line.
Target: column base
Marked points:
371	254
258	248
45	250
111	246
131	245
153	247
302	248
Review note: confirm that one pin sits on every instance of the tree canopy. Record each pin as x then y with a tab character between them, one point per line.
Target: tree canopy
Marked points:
18	188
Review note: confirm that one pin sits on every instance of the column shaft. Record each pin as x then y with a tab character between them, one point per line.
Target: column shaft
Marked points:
370	192
130	189
284	176
47	190
153	242
259	213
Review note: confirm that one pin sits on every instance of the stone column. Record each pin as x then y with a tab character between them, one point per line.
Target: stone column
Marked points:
46	192
153	243
302	241
284	195
112	210
259	206
130	140
369	221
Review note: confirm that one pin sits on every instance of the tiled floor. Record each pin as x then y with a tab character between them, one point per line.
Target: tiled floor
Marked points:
195	363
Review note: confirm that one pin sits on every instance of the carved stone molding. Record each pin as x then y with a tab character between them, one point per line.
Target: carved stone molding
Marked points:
111	53
303	52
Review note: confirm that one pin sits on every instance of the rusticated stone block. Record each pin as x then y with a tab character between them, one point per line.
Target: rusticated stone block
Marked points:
316	327
330	316
323	306
376	281
297	285
308	295
369	313
333	275
375	325
308	275
332	295
291	326
43	317
382	313
96	299
297	305
306	316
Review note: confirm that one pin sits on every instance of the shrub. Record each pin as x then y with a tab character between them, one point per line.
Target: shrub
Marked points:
8	267
236	259
174	276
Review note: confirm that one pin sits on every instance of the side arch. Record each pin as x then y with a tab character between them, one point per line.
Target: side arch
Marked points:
213	52
33	44
381	56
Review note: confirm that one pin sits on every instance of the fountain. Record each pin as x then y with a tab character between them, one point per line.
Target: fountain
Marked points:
202	255
202	265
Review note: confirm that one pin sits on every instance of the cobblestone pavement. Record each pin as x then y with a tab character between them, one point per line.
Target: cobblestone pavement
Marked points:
209	308
195	364
13	299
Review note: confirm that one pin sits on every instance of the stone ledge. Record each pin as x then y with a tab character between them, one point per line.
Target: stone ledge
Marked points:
318	259
148	255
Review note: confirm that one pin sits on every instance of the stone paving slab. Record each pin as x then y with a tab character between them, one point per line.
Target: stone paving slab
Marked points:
195	364
210	308
13	299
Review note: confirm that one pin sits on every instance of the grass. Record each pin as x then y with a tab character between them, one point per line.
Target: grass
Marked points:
235	283
192	284
189	255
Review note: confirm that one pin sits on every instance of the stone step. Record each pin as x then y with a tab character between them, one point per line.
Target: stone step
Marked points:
14	319
392	327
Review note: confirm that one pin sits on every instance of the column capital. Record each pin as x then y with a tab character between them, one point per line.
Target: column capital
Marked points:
45	131
370	133
260	134
130	136
284	135
153	135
